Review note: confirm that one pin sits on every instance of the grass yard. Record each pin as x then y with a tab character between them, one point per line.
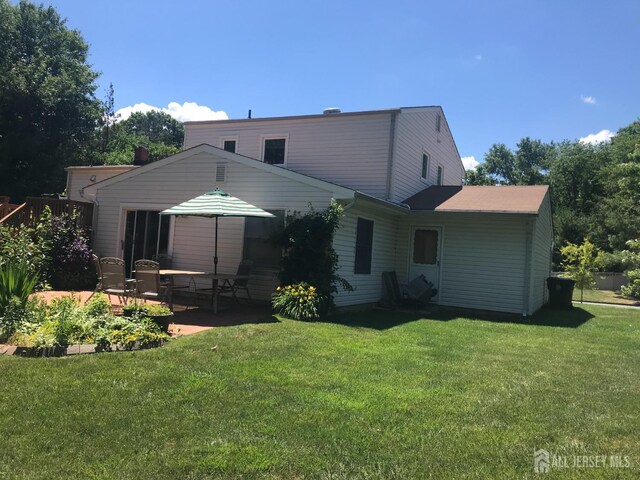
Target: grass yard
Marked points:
384	396
604	296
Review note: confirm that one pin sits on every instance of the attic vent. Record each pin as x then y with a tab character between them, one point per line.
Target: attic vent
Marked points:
221	172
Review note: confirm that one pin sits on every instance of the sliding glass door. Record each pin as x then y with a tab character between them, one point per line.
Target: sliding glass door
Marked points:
146	234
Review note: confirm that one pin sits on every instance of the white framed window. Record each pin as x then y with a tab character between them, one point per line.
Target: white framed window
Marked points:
440	177
274	149
229	144
424	167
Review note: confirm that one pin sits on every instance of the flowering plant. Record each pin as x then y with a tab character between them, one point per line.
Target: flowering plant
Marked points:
299	301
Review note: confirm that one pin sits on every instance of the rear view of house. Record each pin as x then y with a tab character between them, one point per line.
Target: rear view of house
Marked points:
399	177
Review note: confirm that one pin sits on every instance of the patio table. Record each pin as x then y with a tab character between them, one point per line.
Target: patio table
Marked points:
216	278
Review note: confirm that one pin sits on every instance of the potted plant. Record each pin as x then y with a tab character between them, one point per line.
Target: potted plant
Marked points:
160	314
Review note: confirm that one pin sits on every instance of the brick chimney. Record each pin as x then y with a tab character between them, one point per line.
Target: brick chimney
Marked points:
141	157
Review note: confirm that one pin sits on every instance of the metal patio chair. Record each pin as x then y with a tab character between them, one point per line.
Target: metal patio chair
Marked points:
147	284
113	280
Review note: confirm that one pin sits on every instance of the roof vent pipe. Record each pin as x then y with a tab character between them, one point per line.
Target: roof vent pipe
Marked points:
331	111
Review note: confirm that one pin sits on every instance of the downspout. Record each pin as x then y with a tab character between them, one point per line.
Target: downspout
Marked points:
392	143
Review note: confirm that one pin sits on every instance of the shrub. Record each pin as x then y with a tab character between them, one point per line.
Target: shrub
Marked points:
298	301
17	280
633	260
309	255
12	316
98	305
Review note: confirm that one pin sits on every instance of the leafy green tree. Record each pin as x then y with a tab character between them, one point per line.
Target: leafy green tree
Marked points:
620	206
48	108
158	131
526	166
633	273
478	177
580	262
577	184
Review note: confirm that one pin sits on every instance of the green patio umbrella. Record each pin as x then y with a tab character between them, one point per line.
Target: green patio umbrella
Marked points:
215	204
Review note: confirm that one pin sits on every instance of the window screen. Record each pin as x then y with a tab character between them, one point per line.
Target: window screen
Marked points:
364	246
258	245
274	151
425	247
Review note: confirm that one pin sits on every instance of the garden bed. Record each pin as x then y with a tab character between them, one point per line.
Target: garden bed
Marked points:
65	327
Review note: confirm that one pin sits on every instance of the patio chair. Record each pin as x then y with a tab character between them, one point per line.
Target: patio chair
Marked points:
147	284
113	280
233	286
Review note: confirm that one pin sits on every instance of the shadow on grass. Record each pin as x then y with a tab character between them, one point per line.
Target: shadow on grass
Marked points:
384	319
226	317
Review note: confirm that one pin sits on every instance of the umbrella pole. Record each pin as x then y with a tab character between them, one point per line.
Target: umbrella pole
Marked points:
215	254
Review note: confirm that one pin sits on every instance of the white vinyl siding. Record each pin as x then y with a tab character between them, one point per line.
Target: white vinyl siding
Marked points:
415	133
349	150
368	288
193	243
482	259
78	178
542	243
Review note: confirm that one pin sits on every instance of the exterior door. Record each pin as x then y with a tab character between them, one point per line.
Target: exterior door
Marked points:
146	234
424	255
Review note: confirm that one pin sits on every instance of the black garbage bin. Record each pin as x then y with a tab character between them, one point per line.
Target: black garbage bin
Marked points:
560	292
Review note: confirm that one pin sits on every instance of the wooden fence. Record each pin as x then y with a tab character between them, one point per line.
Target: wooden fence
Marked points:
6	207
30	211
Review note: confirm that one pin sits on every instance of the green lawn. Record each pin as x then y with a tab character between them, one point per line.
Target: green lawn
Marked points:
604	296
384	396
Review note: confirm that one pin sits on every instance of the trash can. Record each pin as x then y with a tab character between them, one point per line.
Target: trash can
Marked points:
560	292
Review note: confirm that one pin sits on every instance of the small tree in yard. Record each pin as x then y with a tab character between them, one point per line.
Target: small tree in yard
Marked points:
579	264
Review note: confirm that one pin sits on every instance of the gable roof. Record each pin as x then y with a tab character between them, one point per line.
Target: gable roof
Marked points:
483	199
337	190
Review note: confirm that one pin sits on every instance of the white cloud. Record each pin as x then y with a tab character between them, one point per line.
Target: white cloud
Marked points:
188	111
596	138
589	100
470	163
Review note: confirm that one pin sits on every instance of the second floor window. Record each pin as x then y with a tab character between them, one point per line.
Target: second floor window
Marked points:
440	175
425	166
229	146
274	151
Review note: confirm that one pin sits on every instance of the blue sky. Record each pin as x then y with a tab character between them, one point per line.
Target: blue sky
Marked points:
501	70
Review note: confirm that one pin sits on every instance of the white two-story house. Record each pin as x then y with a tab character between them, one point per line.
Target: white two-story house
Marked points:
399	176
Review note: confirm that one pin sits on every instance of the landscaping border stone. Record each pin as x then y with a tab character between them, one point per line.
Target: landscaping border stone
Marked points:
57	351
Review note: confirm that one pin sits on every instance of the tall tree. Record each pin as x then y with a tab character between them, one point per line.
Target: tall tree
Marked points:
528	165
158	131
48	108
